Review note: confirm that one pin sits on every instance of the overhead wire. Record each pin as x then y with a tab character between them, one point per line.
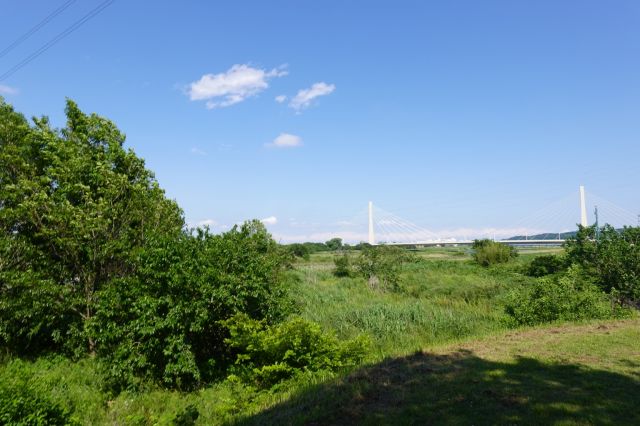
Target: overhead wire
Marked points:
77	24
36	27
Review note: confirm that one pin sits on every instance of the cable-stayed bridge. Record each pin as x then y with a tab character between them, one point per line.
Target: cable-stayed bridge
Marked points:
546	226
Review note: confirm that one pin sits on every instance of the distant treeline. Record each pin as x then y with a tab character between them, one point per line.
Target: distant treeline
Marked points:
546	236
303	250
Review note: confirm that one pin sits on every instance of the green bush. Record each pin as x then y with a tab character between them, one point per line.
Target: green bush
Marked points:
342	262
299	250
488	252
381	265
612	257
22	403
265	355
163	323
186	417
545	265
569	297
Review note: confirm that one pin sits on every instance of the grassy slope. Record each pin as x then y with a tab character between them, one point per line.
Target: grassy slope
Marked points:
573	374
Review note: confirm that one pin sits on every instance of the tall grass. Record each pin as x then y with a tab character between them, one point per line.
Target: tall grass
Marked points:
438	300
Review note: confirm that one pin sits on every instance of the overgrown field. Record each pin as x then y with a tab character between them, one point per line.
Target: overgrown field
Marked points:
446	304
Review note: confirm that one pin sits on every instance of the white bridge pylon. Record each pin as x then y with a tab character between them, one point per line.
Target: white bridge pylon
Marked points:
552	221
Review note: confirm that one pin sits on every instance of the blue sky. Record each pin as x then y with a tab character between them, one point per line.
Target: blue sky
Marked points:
462	117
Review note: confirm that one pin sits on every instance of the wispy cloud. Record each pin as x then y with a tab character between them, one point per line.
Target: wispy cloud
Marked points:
233	86
304	97
197	151
7	90
207	222
286	140
280	98
271	220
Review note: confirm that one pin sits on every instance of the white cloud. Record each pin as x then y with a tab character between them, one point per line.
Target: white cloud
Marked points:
237	84
281	98
197	151
286	140
304	97
7	90
271	220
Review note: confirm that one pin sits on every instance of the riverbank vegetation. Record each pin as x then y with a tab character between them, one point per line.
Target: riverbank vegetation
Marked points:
112	311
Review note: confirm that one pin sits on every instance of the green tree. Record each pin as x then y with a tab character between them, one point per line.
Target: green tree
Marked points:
74	205
381	265
342	262
613	259
300	250
487	252
334	244
545	265
163	323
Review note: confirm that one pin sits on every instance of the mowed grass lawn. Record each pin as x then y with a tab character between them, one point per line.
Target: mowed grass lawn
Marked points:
569	375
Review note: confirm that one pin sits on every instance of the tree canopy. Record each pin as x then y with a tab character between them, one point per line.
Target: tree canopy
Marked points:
74	205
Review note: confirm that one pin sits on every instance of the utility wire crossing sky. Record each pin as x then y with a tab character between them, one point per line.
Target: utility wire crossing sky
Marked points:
452	116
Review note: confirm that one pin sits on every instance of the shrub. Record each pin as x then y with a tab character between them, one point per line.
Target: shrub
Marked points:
381	265
342	263
612	256
163	324
334	244
22	403
568	297
186	417
265	355
299	250
488	252
545	265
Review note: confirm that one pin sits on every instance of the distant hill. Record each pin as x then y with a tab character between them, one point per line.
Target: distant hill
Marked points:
545	236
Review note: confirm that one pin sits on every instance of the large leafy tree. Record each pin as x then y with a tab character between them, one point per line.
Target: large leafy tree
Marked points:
74	205
164	322
612	257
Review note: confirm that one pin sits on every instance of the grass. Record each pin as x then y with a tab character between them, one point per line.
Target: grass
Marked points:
476	370
573	375
440	299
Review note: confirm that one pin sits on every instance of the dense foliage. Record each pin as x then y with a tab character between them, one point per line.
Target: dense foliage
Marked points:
303	250
342	264
265	355
381	265
74	205
488	252
299	250
569	297
612	257
163	323
22	402
545	265
94	259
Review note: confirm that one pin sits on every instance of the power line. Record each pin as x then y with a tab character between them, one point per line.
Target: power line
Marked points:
102	6
39	25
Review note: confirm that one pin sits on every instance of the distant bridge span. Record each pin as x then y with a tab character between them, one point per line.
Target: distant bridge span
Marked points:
514	243
546	229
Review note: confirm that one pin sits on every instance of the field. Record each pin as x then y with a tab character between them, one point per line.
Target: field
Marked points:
441	352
